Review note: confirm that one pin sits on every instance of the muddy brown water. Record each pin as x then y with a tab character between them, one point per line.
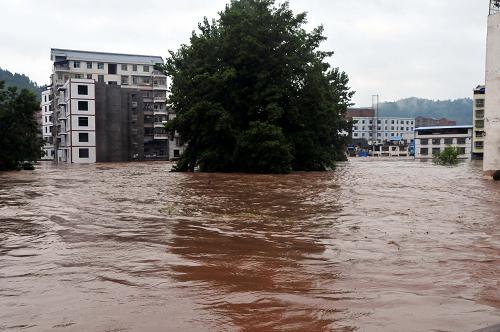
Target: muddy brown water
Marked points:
373	246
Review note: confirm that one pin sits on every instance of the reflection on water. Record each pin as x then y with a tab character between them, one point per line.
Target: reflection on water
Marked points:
373	246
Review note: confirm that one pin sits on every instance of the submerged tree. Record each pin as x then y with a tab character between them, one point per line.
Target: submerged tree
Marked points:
252	92
19	133
447	157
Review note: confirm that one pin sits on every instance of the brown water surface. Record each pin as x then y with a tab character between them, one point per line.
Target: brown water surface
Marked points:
373	246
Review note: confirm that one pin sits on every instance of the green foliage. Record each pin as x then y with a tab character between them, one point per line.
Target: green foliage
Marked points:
253	93
459	110
21	82
19	138
448	157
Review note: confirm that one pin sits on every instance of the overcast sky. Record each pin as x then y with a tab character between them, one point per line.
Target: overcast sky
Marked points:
427	48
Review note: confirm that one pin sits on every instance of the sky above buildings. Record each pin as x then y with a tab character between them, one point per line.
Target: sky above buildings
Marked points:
427	48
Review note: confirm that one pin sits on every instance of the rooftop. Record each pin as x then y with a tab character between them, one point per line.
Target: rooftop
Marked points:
104	56
444	127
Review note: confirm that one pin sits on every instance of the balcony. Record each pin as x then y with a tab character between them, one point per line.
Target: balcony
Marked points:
161	136
160	99
160	124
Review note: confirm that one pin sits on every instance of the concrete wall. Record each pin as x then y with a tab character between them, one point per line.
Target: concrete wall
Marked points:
119	124
492	104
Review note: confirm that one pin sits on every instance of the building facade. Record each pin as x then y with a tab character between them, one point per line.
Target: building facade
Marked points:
47	125
383	129
76	82
421	121
492	101
430	141
478	122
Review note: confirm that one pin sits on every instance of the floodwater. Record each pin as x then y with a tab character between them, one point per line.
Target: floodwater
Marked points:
373	246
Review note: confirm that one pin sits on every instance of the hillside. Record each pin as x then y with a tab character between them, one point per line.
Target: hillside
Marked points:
20	81
459	110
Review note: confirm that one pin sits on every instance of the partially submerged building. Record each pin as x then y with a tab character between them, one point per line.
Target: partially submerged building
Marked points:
430	141
109	107
478	122
492	100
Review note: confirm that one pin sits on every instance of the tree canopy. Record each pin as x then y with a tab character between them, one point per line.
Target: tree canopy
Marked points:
19	133
252	92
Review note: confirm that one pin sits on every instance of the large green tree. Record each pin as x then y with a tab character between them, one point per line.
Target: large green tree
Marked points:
19	133
253	92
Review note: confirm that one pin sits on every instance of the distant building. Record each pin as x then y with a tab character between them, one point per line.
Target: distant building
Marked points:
383	129
430	141
109	107
478	122
431	122
492	101
47	124
360	113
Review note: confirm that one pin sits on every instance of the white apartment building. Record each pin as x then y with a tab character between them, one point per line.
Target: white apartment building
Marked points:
430	141
76	116
75	72
47	124
478	122
383	129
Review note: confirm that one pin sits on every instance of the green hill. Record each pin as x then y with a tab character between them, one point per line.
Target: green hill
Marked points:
459	110
20	81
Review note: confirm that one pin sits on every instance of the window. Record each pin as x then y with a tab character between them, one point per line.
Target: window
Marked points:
448	141
392	134
112	83
479	145
112	68
83	90
355	134
78	75
83	153
76	64
83	121
124	80
461	140
355	128
89	76
386	122
176	153
392	128
124	67
479	134
100	78
89	65
480	103
134	67
145	68
435	151
83	137
436	141
100	65
83	105
407	128
480	114
392	122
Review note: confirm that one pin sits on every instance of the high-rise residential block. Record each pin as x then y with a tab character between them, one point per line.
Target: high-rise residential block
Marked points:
109	107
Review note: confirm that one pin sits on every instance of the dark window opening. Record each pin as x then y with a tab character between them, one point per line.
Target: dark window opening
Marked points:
83	153
83	105
83	90
83	121
83	137
112	68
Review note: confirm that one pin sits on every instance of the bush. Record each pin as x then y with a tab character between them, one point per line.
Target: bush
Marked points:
496	175
449	156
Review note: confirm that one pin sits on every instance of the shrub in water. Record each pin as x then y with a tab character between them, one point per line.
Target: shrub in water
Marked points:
449	156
